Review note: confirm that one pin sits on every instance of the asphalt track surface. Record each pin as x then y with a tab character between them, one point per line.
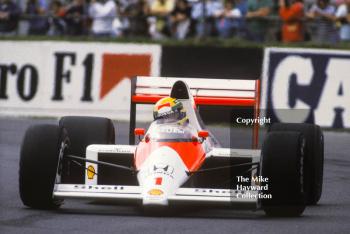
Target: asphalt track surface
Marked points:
332	215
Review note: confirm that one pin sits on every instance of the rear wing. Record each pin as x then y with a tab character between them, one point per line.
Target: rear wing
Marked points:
206	92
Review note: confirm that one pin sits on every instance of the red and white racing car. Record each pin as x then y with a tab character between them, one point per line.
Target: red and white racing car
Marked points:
177	160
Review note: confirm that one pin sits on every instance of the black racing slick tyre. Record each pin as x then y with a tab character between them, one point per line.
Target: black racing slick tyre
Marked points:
314	157
82	132
282	164
39	158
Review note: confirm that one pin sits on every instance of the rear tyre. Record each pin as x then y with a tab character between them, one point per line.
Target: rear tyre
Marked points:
314	157
82	132
282	163
39	158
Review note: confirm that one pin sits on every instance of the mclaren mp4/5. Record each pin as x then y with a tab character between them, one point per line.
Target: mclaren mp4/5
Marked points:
177	160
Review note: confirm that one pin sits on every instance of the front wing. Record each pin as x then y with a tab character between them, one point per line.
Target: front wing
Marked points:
183	195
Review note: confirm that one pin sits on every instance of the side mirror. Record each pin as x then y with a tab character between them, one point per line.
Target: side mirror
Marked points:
139	131
203	134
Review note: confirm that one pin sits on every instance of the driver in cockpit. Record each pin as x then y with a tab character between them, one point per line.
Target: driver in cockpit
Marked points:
170	110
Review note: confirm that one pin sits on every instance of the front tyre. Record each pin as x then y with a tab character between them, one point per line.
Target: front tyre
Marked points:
282	164
314	157
39	158
83	131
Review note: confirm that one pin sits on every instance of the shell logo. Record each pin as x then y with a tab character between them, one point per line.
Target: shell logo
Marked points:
155	192
90	172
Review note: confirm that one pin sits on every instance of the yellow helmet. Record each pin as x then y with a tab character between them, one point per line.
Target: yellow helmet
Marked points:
169	109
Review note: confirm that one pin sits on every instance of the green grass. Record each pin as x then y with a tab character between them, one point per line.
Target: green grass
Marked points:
213	42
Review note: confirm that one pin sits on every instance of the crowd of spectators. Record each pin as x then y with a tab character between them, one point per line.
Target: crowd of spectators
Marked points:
325	21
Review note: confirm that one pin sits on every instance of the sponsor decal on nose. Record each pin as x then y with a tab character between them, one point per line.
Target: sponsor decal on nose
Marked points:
155	192
159	181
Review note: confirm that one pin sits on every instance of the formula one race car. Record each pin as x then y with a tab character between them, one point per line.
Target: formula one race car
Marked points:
177	159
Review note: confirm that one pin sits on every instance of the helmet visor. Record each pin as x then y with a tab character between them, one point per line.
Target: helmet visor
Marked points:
170	117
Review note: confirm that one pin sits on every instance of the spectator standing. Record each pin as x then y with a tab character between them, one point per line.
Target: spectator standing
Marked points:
227	22
102	13
58	25
38	13
242	6
343	18
257	25
205	21
135	17
292	16
160	11
74	17
9	16
180	19
323	14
